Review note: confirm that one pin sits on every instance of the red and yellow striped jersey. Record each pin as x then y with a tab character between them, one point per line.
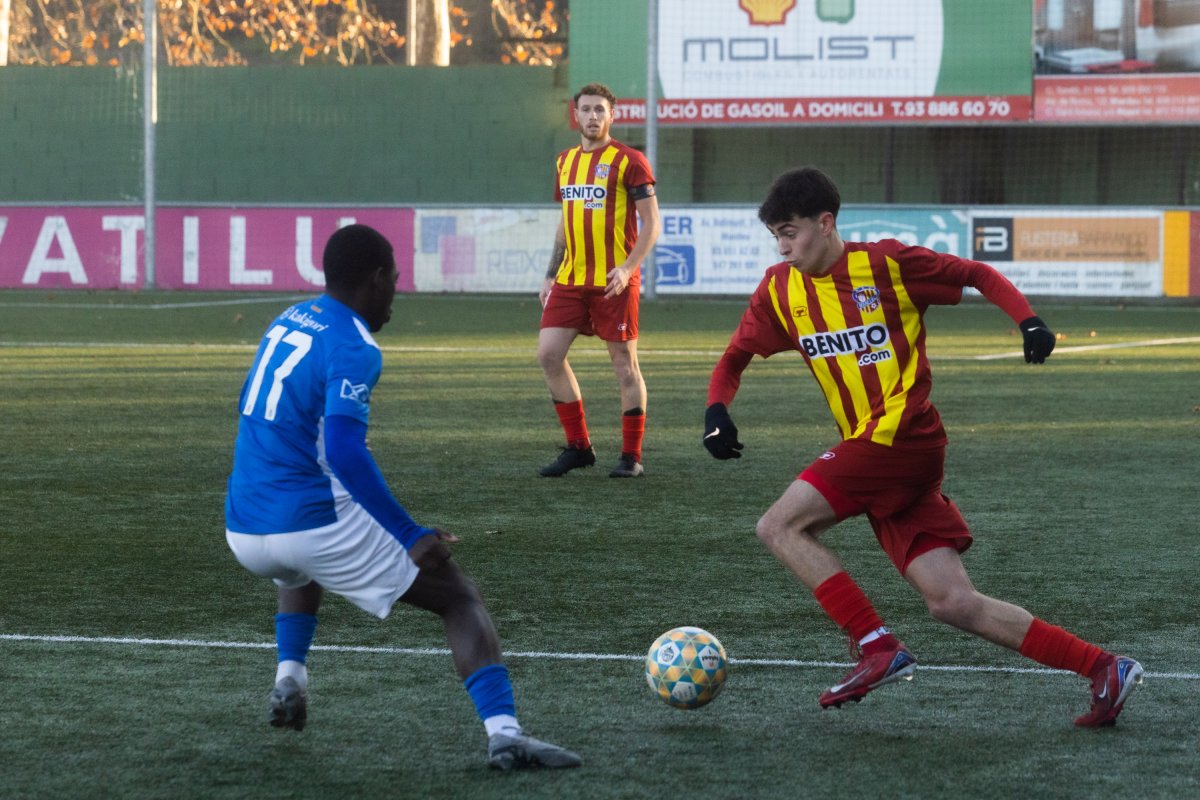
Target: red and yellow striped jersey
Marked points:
599	218
861	330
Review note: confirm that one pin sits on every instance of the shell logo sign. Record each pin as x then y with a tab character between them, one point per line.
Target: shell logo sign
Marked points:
774	12
767	12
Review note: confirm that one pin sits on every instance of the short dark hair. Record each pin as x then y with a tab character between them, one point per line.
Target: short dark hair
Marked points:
352	255
805	192
600	90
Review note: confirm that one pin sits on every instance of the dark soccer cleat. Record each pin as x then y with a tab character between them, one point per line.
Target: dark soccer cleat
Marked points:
1113	679
287	705
627	467
570	458
871	672
519	750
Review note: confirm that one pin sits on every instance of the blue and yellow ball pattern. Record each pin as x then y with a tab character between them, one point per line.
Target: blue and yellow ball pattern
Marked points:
686	667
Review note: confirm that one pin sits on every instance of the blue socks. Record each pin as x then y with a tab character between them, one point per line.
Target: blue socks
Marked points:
294	635
492	692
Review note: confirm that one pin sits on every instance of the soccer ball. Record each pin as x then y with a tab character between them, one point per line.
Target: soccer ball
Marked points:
686	667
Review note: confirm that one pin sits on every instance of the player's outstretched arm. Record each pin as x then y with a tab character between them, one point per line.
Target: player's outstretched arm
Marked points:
1000	291
1039	340
347	454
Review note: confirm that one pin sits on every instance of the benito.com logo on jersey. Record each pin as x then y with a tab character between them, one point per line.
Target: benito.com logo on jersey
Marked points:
868	342
591	195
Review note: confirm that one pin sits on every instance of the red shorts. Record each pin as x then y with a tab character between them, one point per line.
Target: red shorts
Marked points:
899	489
587	311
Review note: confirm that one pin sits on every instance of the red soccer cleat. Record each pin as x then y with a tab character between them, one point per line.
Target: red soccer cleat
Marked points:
1113	679
871	672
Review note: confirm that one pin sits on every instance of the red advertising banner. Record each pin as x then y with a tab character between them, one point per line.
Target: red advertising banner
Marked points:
1117	98
1117	61
195	248
832	110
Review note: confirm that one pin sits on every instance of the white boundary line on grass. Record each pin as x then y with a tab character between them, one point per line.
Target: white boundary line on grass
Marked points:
582	350
441	651
161	306
1081	348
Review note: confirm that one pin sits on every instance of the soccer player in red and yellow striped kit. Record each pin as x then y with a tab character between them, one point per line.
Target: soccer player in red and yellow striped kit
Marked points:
856	313
592	284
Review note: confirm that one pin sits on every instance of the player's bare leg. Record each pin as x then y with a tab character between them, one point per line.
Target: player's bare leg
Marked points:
553	344
941	578
790	530
449	593
633	407
475	647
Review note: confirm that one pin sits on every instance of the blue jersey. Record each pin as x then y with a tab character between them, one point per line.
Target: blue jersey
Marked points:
317	359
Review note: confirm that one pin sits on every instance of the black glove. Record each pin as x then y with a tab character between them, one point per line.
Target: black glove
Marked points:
720	434
1039	340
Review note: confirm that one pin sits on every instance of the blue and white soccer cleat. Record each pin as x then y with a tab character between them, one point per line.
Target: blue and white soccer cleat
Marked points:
1113	679
871	672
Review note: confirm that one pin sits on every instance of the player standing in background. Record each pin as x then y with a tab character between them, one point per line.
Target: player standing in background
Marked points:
308	506
856	313
592	283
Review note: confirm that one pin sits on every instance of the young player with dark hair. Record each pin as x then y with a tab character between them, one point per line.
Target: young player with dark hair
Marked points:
593	280
308	507
855	311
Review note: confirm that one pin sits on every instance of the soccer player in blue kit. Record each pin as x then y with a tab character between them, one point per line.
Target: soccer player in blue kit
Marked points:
308	507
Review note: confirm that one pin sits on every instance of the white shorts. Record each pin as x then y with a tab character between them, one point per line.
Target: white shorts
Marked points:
354	557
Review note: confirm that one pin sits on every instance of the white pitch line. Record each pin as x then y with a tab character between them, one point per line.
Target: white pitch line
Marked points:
241	301
1082	348
594	351
441	651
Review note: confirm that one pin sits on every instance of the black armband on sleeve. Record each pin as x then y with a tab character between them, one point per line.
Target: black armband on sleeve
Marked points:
641	192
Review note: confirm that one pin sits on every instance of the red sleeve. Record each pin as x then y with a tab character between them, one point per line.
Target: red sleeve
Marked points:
938	279
997	289
758	333
638	172
727	375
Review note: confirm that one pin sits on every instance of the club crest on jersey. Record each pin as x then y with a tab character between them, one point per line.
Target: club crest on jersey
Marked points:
866	298
359	392
602	171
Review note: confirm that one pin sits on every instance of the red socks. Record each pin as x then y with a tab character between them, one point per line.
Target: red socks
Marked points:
633	428
1050	645
846	605
1046	644
574	424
